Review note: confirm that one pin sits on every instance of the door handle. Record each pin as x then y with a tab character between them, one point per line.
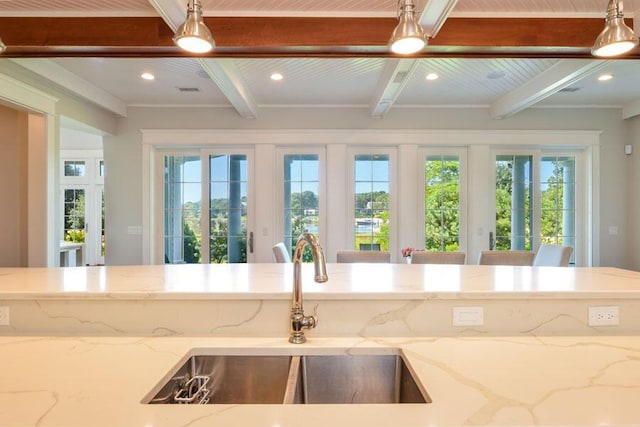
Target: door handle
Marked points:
492	241
251	242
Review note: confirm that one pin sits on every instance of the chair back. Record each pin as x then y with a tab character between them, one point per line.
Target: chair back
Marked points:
281	253
514	257
363	256
437	257
553	255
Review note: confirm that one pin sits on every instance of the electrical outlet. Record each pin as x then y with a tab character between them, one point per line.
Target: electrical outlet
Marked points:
468	316
4	316
604	316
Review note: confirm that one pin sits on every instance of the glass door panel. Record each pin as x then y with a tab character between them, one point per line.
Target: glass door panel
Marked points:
558	200
513	202
301	198
372	189
182	209
74	215
228	195
442	203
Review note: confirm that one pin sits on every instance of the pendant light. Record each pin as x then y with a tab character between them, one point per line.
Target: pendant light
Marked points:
193	35
616	38
3	46
408	37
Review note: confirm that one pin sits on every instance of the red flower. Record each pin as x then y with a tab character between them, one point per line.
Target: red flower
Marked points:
407	252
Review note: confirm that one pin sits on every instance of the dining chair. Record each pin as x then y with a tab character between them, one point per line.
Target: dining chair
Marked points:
281	253
437	257
512	257
363	256
552	255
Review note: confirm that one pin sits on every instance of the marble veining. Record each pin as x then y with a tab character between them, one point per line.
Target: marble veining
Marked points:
473	381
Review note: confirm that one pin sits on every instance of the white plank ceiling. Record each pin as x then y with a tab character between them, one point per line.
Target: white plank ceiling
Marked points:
367	82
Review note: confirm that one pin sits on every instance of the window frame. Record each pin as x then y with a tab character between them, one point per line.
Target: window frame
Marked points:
93	185
392	152
423	152
340	142
281	152
581	255
204	153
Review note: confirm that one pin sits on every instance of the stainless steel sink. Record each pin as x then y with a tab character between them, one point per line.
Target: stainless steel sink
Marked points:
358	379
365	377
227	379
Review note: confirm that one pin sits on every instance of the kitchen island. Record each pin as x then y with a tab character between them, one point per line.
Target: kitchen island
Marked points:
491	381
86	345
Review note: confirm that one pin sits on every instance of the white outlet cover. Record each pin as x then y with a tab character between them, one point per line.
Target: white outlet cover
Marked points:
468	316
604	315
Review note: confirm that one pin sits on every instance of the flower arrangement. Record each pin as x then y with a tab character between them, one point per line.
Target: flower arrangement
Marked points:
406	252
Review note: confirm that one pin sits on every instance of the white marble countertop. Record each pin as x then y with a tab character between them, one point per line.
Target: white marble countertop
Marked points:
346	281
500	381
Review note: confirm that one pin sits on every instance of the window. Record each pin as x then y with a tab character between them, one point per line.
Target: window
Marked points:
81	201
182	209
222	237
371	202
74	168
228	210
535	200
513	205
301	198
558	200
74	215
442	203
453	191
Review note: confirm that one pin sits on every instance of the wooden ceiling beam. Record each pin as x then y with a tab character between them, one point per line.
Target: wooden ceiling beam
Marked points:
298	37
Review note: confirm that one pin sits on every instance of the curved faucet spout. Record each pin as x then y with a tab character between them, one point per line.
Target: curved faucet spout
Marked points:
299	321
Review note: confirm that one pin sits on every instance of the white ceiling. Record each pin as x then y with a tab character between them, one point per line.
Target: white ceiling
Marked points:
506	85
306	7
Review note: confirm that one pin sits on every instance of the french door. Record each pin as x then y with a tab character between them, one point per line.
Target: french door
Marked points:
536	200
207	207
82	203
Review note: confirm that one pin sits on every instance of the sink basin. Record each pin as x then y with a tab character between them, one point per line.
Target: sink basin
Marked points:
252	378
358	379
227	379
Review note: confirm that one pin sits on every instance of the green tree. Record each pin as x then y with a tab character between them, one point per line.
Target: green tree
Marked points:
74	216
191	245
220	241
442	206
551	216
304	200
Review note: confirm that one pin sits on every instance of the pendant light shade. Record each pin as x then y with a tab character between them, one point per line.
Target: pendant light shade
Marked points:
408	37
193	35
616	38
3	46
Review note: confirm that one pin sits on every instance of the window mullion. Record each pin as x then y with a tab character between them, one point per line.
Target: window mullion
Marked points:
205	220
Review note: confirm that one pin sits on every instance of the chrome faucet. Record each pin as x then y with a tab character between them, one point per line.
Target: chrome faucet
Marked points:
299	321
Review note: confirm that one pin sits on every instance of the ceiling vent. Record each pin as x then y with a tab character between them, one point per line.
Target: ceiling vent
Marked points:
188	89
570	89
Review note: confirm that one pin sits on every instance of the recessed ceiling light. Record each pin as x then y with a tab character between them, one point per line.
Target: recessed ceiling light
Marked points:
147	76
276	76
605	77
432	76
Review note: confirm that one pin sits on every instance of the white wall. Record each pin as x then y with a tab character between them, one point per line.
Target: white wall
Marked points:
13	187
632	162
123	155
